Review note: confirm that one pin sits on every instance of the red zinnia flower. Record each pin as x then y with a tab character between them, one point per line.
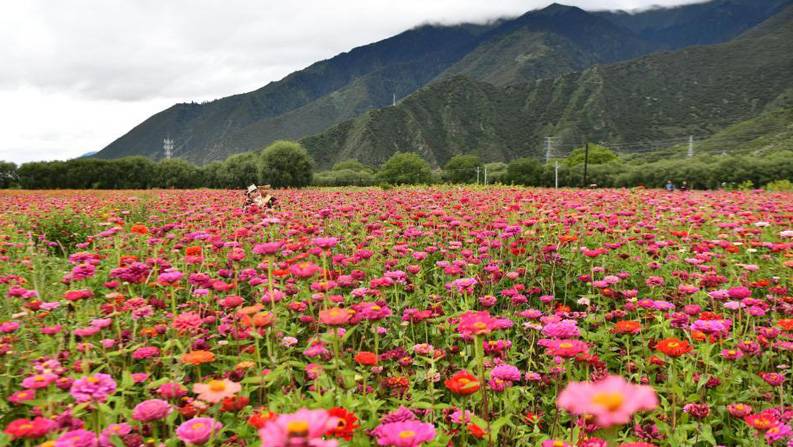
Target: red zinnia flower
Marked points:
673	347
462	383
347	423
366	358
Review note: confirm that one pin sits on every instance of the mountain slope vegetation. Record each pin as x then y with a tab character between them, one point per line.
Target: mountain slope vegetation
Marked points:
543	44
698	90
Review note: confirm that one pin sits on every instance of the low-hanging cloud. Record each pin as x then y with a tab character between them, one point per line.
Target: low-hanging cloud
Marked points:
111	63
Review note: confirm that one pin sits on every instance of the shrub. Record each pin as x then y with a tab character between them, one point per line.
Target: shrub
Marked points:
285	164
780	185
405	168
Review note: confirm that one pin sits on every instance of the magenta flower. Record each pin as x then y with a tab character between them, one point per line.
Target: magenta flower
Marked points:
307	425
612	401
267	248
39	381
95	388
404	434
197	431
77	438
151	410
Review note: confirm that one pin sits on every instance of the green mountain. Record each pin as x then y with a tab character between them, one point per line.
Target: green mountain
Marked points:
203	132
696	24
540	44
555	40
698	90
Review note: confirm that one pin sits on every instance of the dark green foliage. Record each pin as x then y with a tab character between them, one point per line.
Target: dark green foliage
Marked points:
352	165
696	24
695	91
462	169
176	173
239	171
597	155
524	171
8	174
285	164
344	177
405	168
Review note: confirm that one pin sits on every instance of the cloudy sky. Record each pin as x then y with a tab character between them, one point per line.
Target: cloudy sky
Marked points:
75	75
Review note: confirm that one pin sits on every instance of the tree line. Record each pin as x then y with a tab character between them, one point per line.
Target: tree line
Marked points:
287	164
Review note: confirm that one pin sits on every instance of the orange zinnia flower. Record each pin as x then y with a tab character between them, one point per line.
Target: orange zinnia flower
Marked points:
786	324
139	229
627	327
194	250
673	347
196	358
463	383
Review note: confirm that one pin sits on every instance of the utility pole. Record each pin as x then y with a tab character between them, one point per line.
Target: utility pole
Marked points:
477	175
393	103
586	161
556	174
690	146
485	167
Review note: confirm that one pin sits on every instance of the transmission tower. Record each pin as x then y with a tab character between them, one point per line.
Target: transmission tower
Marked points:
548	149
167	147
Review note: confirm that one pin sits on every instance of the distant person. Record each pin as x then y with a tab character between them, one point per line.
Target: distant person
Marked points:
669	185
254	197
684	186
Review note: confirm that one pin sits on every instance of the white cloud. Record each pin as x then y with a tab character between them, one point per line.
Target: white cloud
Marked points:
75	75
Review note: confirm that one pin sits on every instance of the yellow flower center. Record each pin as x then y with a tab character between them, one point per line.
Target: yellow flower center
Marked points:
217	385
92	380
297	427
407	434
565	345
609	401
674	344
198	426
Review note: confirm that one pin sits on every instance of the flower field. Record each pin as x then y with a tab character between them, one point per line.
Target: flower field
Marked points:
400	317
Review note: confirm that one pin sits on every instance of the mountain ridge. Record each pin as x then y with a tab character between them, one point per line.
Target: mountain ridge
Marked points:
540	44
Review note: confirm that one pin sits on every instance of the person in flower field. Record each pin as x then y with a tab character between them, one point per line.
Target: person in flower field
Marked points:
254	196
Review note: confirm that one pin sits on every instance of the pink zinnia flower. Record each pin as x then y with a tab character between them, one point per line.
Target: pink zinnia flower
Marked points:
404	434
612	401
267	248
77	438
93	388
216	390
306	425
335	316
564	347
151	410
197	431
39	380
304	269
477	323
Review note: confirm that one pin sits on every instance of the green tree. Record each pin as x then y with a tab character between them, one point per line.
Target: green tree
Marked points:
176	173
462	169
286	164
524	171
496	172
405	168
597	155
8	174
352	165
239	170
